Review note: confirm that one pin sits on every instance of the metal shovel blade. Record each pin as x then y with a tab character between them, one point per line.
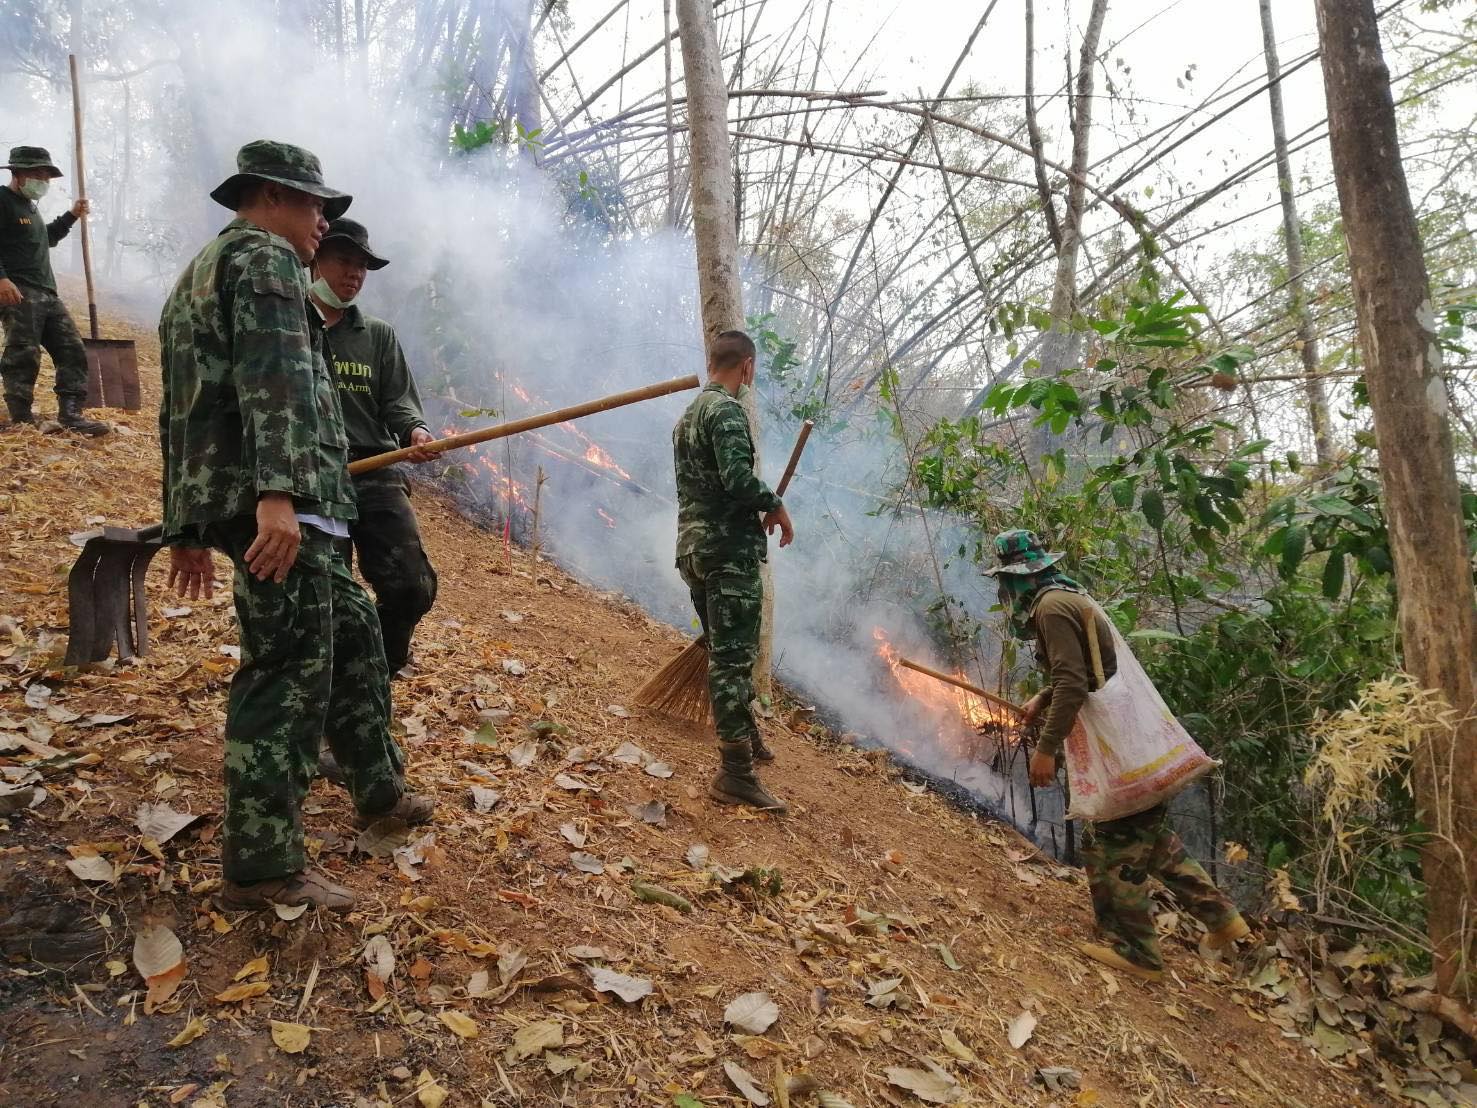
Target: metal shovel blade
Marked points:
112	374
106	602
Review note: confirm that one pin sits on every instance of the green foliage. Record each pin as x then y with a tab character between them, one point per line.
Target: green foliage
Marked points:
789	392
465	140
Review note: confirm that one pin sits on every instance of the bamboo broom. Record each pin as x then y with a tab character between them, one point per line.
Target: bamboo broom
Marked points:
680	688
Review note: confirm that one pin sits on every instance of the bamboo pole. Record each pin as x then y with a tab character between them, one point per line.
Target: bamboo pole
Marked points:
529	423
805	429
959	682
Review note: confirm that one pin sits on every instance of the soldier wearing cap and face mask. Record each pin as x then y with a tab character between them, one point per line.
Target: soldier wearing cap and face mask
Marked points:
255	465
382	412
31	312
1120	855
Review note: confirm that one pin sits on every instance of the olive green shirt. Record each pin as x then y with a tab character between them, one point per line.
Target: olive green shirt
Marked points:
249	406
26	241
1060	617
375	388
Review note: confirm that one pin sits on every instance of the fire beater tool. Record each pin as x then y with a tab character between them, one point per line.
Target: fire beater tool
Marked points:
112	364
106	603
680	688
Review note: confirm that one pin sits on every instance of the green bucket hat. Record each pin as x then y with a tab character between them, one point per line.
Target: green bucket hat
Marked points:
1021	552
264	160
357	235
32	157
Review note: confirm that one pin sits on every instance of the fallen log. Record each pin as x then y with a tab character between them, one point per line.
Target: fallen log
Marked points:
528	423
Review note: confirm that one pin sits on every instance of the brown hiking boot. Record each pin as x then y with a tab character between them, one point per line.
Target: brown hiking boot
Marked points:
312	889
762	753
736	782
1223	937
412	808
1107	956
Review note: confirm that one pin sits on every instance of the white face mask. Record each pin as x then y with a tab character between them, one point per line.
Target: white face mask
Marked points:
34	188
320	288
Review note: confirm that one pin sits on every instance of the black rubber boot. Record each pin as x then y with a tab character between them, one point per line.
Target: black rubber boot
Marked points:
736	782
20	411
69	415
330	770
762	753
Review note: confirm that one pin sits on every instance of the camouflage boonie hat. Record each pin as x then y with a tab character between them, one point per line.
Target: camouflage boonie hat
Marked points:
355	233
32	157
1021	552
264	160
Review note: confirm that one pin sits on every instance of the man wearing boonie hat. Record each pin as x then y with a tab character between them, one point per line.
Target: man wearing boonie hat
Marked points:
31	312
1044	604
382	412
255	466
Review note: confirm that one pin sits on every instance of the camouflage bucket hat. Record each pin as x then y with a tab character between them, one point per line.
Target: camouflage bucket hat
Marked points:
356	234
32	157
1021	552
264	160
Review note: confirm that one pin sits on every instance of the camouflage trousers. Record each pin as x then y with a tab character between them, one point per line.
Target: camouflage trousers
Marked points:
729	600
312	666
41	321
1120	856
387	540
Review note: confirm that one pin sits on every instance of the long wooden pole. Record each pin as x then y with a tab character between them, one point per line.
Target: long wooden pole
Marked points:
805	429
959	682
82	192
530	423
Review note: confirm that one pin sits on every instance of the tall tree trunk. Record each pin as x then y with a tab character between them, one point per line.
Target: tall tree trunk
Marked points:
122	178
1059	350
720	289
1433	577
1292	234
523	89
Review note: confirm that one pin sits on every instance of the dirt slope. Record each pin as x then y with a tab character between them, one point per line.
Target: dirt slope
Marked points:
877	883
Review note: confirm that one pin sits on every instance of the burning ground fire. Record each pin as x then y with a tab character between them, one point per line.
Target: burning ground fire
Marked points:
960	715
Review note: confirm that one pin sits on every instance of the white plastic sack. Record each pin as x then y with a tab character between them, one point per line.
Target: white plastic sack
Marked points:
1127	752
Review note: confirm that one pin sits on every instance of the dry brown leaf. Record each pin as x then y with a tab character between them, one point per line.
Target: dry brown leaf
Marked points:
238	993
160	822
252	968
93	867
291	1038
746	1083
535	1038
460	1024
629	989
955	1046
934	1085
1021	1029
428	1092
289	912
160	961
189	1033
752	1012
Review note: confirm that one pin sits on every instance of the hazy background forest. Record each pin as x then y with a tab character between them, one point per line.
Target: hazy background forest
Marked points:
1024	264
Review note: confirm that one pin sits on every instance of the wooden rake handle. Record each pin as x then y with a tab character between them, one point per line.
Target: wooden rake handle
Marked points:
530	423
805	429
960	683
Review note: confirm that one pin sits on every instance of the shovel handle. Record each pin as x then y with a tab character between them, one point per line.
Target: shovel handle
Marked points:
82	192
805	429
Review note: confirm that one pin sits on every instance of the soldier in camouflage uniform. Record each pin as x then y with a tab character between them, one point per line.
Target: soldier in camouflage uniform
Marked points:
31	312
1120	855
382	412
720	543
254	466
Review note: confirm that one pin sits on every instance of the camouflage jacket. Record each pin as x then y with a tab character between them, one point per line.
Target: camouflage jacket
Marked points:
249	405
719	496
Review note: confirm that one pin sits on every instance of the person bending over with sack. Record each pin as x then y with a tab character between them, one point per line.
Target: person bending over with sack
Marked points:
1120	854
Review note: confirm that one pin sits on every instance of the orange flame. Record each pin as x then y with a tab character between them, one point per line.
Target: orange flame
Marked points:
596	456
959	714
609	522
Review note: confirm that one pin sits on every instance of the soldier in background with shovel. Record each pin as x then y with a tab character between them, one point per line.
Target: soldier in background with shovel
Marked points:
31	312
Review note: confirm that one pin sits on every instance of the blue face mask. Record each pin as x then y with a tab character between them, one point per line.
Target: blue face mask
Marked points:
34	188
320	288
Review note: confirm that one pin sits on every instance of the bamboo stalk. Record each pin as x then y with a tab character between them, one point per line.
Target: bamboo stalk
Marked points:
805	429
959	682
529	423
